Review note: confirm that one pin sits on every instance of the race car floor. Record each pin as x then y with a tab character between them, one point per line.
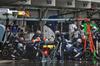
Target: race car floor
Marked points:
31	63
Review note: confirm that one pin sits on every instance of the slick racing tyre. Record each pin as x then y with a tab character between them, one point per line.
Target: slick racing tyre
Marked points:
88	54
5	54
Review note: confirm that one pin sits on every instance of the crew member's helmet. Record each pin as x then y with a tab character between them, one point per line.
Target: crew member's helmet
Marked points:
46	41
57	33
75	28
38	39
79	41
83	37
81	26
33	41
20	46
38	32
94	29
21	38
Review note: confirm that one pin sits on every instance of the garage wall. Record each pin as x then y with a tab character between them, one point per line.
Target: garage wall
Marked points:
34	13
96	15
83	15
51	13
68	16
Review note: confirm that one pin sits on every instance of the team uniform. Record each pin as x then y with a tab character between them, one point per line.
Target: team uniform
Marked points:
69	49
82	32
75	36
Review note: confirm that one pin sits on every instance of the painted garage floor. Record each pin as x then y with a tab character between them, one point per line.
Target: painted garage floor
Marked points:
31	63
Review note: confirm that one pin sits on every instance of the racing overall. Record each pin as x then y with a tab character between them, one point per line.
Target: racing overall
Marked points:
82	33
75	36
